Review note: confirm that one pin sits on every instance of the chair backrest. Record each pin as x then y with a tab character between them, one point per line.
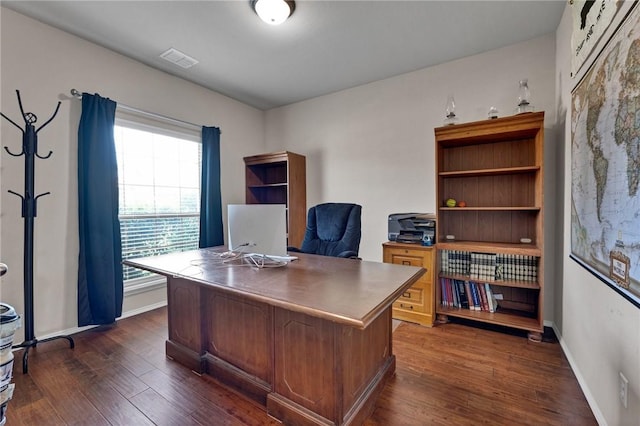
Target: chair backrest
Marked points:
333	229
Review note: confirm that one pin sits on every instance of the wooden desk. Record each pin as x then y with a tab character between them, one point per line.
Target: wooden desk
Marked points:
310	341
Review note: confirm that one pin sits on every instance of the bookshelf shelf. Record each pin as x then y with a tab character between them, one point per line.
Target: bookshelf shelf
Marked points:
533	285
489	209
489	247
496	168
490	172
506	318
270	185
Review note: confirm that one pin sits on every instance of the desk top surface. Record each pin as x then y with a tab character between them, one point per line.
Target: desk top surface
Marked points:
348	291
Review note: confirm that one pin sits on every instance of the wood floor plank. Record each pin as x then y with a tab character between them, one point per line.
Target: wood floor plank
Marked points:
173	389
452	374
29	393
161	411
39	412
117	409
130	360
62	386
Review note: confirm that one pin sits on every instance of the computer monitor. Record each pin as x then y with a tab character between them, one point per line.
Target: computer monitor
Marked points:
258	229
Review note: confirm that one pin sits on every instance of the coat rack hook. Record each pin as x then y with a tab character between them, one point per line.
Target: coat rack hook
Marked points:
11	121
14	123
45	157
12	154
15	193
52	117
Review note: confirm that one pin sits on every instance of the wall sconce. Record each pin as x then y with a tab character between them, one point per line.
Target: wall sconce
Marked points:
273	12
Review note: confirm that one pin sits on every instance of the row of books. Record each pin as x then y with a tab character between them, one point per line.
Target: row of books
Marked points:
455	262
483	266
517	267
470	295
489	266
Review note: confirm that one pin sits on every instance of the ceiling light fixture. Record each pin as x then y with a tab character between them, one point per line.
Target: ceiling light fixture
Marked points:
273	12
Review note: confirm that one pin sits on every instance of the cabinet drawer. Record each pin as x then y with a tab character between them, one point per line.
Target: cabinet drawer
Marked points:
412	261
413	296
406	306
402	256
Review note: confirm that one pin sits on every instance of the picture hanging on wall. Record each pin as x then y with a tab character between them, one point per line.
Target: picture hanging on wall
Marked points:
591	22
605	163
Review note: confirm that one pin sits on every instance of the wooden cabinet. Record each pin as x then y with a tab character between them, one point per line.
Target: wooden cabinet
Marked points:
280	178
415	304
496	168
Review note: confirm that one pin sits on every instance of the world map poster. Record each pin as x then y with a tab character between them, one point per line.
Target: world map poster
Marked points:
605	160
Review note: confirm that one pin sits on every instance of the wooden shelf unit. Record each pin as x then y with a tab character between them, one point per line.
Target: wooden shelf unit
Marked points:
496	167
280	178
416	304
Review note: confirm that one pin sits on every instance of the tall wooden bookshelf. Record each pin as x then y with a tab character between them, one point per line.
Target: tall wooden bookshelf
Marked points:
280	178
496	168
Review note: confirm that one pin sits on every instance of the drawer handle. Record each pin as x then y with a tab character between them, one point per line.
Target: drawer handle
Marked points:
406	262
406	294
408	306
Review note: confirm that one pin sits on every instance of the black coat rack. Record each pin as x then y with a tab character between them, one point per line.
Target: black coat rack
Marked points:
29	212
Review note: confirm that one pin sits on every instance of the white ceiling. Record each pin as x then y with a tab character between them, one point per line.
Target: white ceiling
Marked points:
324	47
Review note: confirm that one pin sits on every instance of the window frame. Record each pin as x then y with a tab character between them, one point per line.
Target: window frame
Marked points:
166	126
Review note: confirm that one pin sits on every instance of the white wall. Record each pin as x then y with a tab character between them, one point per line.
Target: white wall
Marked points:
600	329
44	64
374	144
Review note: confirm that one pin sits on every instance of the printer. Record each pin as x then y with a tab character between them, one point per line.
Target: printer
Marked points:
419	228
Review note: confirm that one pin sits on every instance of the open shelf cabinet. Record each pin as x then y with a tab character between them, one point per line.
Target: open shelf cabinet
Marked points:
280	178
496	168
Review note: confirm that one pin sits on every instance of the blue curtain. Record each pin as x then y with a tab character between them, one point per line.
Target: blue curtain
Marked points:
211	232
100	286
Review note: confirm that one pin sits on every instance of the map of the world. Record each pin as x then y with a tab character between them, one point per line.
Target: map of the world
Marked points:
605	157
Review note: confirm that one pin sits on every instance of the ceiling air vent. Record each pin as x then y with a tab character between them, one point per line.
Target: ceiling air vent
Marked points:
177	57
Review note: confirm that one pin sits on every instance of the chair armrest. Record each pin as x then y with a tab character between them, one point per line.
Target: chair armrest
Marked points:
350	254
294	249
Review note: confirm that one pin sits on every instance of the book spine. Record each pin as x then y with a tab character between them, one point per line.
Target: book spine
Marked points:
454	293
483	298
474	292
467	289
490	301
464	302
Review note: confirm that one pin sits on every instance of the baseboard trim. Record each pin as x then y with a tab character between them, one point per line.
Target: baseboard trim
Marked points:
74	330
581	381
143	309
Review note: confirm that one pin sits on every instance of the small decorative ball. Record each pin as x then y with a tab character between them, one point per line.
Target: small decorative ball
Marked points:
462	204
451	202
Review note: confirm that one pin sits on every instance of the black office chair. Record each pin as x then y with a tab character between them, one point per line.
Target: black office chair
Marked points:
333	229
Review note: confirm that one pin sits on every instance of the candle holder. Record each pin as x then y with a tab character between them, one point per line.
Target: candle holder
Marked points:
450	117
524	96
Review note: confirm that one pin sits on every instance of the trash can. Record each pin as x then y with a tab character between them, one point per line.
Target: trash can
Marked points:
9	323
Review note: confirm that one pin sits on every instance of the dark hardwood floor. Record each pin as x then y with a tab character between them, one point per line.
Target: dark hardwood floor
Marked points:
448	375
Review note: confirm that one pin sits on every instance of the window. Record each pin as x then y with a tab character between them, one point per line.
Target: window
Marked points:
159	182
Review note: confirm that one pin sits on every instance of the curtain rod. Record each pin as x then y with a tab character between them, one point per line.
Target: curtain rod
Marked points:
78	95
